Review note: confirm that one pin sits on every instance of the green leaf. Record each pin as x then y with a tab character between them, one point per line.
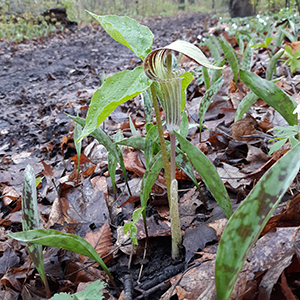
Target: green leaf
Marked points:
62	296
55	238
127	32
208	174
264	44
232	57
206	77
136	214
137	142
151	138
77	133
245	104
213	49
38	181
249	219
30	219
133	230
272	65
184	125
216	74
150	175
116	90
106	141
276	146
208	98
146	97
248	56
271	94
92	292
187	79
132	128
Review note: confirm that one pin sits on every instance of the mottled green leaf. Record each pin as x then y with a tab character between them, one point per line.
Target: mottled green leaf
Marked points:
232	57
249	219
127	32
116	90
213	49
30	219
132	128
272	95
248	56
55	238
146	97
208	98
208	174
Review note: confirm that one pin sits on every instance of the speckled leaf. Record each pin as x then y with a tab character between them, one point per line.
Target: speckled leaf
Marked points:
116	90
232	57
248	56
249	219
77	133
208	98
55	238
213	49
208	174
151	138
272	95
106	141
30	219
244	105
127	32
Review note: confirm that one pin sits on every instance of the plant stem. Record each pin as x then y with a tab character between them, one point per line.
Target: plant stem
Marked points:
161	140
172	187
173	155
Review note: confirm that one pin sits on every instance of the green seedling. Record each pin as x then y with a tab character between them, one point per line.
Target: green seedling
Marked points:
293	58
92	292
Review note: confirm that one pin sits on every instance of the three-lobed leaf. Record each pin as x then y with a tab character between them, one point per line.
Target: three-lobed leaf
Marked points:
249	219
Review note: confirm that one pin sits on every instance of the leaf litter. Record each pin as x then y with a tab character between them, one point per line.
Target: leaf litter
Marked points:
66	71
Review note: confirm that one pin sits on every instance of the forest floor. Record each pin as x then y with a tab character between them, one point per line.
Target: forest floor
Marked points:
45	78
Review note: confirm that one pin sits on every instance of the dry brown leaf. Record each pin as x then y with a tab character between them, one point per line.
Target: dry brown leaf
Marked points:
48	170
244	127
100	240
59	213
